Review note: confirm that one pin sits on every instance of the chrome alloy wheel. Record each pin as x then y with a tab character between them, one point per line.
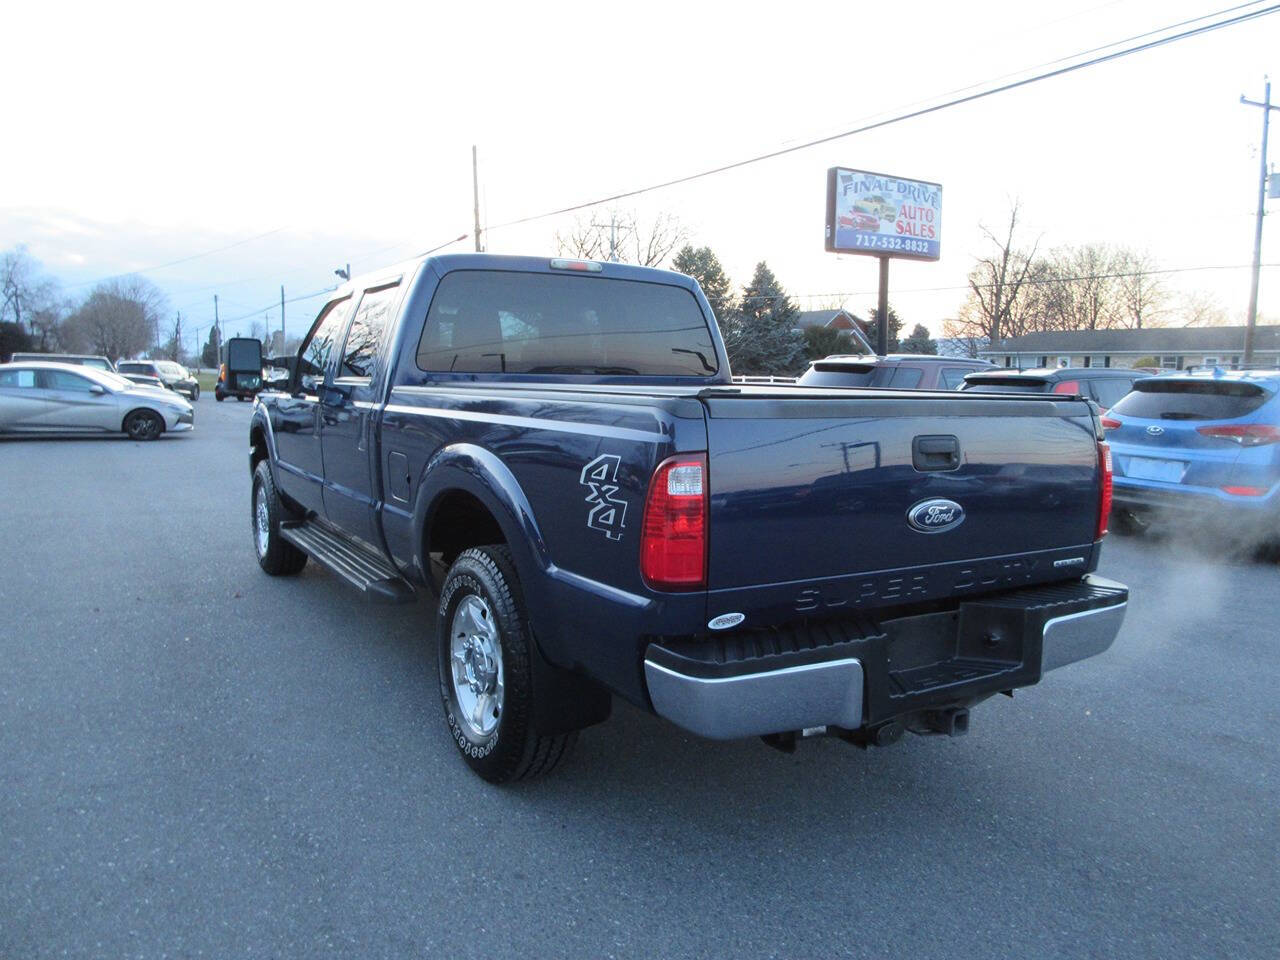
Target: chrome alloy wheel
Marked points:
261	522
475	656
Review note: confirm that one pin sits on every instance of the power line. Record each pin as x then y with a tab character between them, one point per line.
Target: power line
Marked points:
1029	282
924	111
174	263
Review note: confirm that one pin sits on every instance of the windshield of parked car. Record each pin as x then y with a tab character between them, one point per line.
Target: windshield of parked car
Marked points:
170	368
1191	400
497	321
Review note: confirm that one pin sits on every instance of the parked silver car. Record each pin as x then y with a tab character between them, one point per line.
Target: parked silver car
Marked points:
63	398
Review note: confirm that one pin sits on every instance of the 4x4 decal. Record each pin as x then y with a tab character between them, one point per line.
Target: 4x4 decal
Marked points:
608	511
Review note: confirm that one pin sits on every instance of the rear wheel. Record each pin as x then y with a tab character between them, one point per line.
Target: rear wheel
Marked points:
276	555
143	425
486	681
195	393
219	396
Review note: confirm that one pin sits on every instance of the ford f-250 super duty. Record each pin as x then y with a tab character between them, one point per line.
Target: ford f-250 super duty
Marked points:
556	451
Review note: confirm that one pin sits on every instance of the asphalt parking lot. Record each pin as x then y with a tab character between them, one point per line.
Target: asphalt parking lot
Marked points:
198	760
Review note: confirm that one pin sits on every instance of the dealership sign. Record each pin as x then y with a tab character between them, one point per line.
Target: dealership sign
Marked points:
883	216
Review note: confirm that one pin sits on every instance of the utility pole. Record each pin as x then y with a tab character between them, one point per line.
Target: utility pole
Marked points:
613	235
218	326
475	191
1252	318
882	325
282	318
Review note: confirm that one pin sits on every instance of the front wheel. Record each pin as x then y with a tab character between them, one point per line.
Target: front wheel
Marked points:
195	393
143	425
276	555
486	681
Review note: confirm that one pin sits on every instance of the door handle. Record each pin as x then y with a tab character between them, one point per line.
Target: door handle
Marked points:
936	452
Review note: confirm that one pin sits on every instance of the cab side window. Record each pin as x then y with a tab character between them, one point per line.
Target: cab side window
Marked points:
313	356
953	377
368	327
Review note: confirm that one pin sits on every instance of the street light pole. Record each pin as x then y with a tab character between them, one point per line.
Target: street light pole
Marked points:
1251	319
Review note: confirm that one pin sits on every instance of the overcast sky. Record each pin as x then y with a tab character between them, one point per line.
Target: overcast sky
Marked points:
137	134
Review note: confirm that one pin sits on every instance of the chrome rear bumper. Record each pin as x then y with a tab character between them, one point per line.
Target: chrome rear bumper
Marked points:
867	676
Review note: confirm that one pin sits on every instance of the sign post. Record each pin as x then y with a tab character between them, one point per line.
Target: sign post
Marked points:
885	217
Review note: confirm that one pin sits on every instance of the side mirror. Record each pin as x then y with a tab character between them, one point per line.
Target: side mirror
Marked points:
97	389
310	381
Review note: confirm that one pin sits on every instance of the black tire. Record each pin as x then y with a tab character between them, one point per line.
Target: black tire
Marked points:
144	425
241	398
195	393
514	750
276	555
218	395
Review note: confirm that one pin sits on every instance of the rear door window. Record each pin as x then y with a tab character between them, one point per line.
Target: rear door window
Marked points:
18	379
1191	400
952	377
491	321
368	327
905	378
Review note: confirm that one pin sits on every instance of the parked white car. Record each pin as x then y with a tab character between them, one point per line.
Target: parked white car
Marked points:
40	397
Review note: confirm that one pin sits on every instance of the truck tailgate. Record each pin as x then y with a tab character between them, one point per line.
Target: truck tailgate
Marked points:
812	494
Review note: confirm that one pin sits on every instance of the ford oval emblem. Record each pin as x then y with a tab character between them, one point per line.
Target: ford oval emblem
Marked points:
935	516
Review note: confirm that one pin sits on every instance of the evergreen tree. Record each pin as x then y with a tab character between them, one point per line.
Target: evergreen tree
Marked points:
822	342
919	341
209	353
704	266
871	328
761	335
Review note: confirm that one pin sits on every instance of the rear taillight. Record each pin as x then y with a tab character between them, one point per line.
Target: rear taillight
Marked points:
222	373
673	544
1245	434
1245	491
1104	500
1110	423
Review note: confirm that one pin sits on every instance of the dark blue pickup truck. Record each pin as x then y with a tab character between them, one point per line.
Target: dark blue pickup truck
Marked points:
555	450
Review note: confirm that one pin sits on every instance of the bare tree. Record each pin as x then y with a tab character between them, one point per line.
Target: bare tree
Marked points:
630	240
27	296
997	285
1143	294
1081	290
1201	309
118	319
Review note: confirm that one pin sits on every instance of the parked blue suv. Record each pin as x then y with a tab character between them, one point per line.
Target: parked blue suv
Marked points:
1201	446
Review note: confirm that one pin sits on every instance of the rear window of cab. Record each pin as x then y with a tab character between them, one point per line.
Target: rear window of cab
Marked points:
500	321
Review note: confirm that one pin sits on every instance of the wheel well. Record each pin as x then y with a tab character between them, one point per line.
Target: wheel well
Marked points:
459	521
257	448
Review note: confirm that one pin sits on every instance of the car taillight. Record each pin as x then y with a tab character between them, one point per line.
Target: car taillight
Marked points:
1110	423
222	373
673	542
1104	500
1245	434
1244	491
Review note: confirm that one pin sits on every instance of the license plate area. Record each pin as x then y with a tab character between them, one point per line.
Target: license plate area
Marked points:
1151	468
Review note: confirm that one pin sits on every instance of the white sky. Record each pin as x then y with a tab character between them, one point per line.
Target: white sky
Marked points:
142	133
